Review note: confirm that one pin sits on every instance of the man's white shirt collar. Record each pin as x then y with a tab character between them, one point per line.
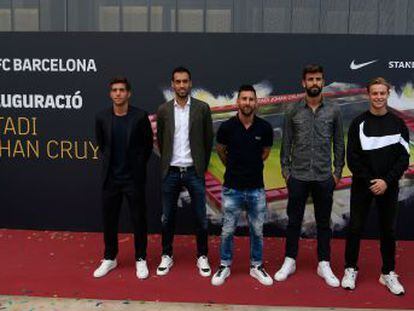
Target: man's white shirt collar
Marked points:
187	104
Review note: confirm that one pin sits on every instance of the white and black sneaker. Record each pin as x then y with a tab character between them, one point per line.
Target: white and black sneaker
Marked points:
221	275
390	280
349	279
165	265
259	273
203	266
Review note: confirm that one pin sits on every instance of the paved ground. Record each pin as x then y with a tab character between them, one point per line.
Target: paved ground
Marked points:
24	303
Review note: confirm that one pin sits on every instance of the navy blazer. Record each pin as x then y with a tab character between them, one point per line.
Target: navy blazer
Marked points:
139	141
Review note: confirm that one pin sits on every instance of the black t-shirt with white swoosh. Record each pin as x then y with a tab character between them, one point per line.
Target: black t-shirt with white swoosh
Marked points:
378	147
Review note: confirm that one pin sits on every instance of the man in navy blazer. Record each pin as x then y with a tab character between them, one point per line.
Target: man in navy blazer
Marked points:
124	137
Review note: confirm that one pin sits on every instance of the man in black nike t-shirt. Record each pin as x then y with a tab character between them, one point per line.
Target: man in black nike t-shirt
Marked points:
378	154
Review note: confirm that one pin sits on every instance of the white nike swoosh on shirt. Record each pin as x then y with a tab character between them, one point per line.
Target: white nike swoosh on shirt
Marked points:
378	142
354	66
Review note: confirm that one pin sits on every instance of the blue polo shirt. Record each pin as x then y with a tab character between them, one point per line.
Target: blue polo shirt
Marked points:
244	168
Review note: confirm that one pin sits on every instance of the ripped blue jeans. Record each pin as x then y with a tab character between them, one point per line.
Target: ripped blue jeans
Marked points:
234	201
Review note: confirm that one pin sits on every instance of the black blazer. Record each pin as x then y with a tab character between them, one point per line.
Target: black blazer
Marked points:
139	141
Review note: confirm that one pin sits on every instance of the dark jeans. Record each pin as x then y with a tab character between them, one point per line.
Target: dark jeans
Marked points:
112	197
321	192
171	187
387	204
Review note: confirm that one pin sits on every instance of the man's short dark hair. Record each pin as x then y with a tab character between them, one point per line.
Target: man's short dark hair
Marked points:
122	80
378	80
180	69
246	87
312	68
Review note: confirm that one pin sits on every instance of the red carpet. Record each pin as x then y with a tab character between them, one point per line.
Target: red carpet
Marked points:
60	264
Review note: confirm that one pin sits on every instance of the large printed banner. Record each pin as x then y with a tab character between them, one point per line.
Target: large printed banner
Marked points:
52	84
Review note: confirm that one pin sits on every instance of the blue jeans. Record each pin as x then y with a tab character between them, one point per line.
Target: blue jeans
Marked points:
171	188
233	202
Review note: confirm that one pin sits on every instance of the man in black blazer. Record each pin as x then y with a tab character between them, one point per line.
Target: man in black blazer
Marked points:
124	137
185	139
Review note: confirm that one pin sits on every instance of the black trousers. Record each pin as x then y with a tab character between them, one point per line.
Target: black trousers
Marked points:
321	192
387	204
113	195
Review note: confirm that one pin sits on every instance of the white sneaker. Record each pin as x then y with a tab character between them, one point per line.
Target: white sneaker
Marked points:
106	266
142	269
165	265
349	279
391	281
259	273
203	266
288	268
221	275
325	272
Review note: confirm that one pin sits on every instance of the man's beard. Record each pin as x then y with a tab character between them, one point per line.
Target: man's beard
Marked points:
182	94
247	112
313	91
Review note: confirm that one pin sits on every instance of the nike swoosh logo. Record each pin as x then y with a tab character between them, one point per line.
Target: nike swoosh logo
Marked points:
354	66
378	142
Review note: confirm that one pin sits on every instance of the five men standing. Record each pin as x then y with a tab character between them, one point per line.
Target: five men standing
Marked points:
377	153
